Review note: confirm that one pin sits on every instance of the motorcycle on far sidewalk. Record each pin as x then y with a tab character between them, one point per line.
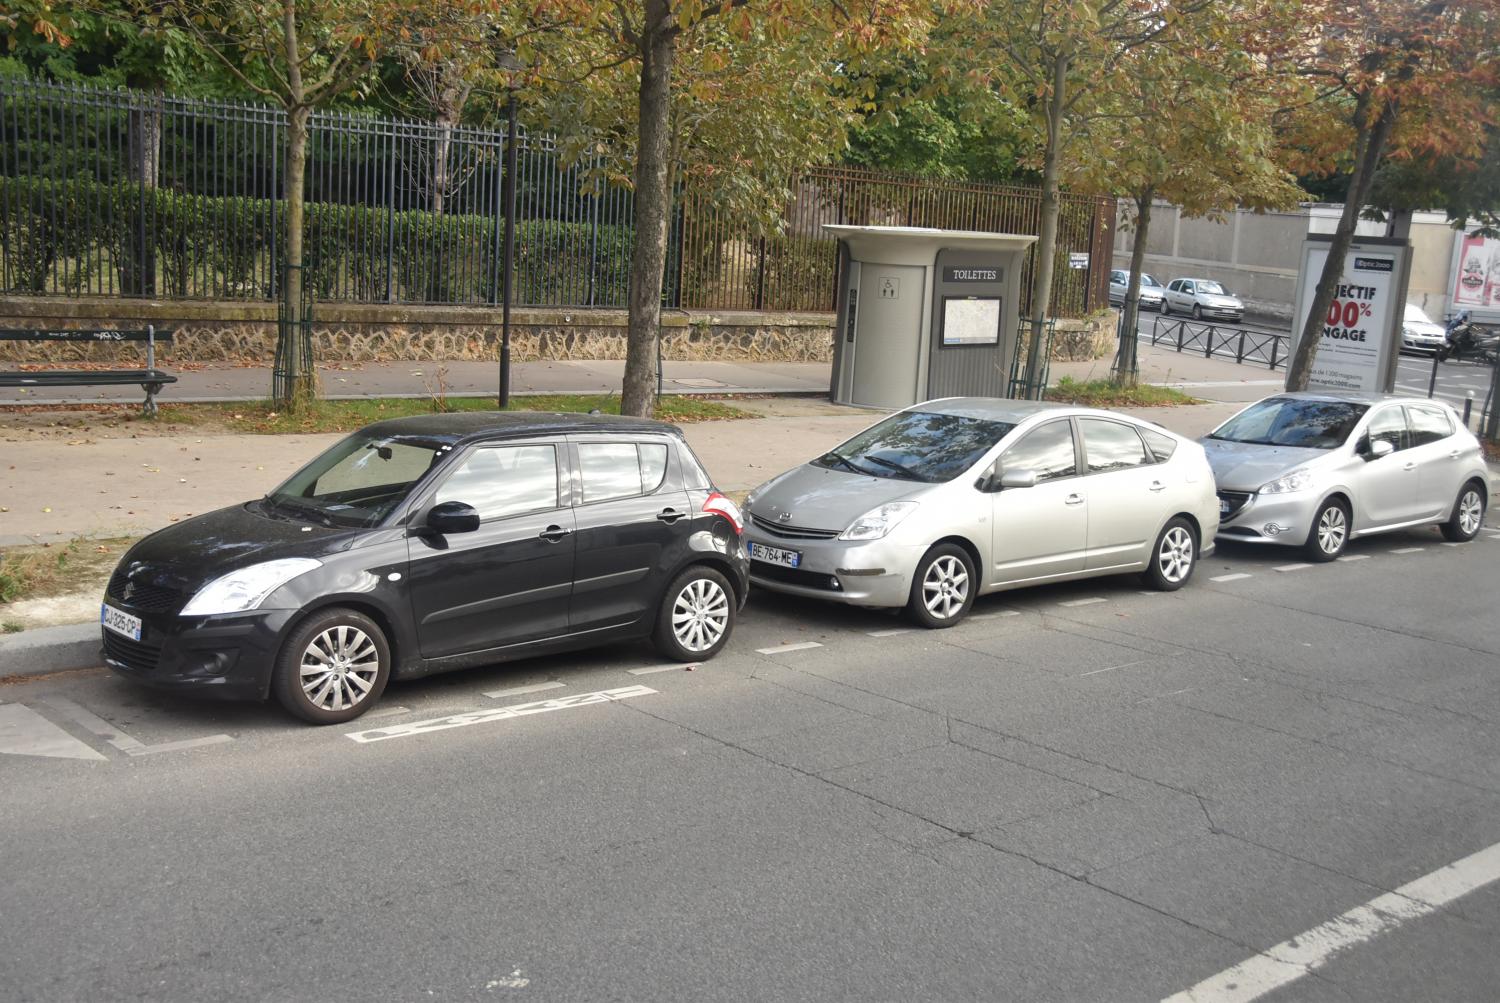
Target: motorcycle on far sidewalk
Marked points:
1469	340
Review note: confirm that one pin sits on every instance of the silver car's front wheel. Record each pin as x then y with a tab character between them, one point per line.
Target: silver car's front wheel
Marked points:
943	587
1330	531
1175	555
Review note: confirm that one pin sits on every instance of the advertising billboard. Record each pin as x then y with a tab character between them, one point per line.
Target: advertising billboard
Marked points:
1361	331
1476	275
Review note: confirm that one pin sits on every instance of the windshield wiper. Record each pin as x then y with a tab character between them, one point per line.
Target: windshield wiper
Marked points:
898	467
840	458
298	508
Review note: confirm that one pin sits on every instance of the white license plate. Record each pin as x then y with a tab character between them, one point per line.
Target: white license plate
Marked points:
1223	506
120	622
775	555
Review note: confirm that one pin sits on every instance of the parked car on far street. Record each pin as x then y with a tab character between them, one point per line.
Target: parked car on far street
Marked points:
951	499
1203	298
424	544
1419	333
1119	285
1315	470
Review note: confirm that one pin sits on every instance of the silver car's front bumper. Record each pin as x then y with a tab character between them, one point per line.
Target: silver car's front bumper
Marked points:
872	573
1275	518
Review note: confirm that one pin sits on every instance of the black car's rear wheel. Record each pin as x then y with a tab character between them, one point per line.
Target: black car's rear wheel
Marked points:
696	617
333	667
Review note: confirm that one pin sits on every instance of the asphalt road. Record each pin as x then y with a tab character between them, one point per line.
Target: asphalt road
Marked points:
1085	792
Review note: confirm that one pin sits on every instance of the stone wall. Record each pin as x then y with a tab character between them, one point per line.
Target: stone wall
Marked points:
1085	339
239	332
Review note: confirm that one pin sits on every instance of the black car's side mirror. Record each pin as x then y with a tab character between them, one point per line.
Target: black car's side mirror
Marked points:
452	517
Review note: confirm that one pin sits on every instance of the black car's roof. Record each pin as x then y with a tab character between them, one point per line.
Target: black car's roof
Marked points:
467	425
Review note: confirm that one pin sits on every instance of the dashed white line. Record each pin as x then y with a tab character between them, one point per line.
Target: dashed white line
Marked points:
413	728
1303	954
653	669
391	711
996	615
781	649
890	633
1231	578
1354	557
1084	602
516	691
1408	550
1292	567
1450	544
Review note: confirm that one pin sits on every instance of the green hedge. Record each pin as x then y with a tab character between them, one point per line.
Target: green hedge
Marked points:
69	236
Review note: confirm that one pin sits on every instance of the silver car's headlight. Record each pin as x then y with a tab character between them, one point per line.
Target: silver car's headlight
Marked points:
879	521
247	588
1293	480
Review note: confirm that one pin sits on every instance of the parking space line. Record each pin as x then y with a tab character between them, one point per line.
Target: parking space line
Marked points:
1231	578
1451	544
1084	602
187	743
1290	960
1354	557
996	615
653	669
1292	567
95	725
387	712
890	633
781	649
412	728
1408	550
1111	668
516	691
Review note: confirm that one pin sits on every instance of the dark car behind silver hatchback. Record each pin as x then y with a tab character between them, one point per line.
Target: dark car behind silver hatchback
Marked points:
426	544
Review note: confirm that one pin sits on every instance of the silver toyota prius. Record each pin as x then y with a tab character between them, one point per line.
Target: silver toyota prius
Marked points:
1315	470
950	499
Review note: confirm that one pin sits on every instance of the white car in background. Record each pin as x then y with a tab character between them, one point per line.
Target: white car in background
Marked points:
1202	298
1419	333
1151	290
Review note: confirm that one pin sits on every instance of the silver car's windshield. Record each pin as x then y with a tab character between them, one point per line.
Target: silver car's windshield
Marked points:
1212	288
1290	421
1147	280
917	446
359	480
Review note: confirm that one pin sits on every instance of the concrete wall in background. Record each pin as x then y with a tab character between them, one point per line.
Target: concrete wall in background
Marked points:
1256	255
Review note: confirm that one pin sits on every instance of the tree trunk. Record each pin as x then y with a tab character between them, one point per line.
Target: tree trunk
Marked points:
300	379
1127	365
1372	146
1046	245
138	266
653	204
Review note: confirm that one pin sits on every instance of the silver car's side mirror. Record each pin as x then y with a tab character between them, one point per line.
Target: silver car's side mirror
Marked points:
1381	447
1017	479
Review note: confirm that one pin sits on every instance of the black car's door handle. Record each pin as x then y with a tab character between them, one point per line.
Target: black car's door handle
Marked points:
553	533
670	515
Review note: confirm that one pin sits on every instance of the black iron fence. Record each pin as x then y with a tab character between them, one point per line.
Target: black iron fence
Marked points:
126	193
1238	343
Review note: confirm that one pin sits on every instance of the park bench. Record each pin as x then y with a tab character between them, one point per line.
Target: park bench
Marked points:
151	379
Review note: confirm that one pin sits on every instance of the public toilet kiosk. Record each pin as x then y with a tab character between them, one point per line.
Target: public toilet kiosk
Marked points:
925	313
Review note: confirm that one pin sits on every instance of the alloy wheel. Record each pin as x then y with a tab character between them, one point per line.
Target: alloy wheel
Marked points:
1470	512
339	667
1333	528
1175	557
700	614
945	587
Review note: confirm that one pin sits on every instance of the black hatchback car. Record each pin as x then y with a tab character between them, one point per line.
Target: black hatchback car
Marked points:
426	544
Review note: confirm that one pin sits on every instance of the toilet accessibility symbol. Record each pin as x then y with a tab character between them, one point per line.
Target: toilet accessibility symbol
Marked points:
890	288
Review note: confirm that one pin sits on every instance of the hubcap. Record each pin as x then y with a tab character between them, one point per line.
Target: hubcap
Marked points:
1332	528
339	668
945	587
1470	512
700	614
1175	558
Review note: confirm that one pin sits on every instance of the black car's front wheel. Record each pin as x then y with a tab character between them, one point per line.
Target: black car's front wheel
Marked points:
333	667
696	617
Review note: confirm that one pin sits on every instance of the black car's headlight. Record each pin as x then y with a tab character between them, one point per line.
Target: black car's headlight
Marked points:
247	588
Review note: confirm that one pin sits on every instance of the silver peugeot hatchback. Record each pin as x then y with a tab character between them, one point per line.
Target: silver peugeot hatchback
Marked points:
951	499
1316	470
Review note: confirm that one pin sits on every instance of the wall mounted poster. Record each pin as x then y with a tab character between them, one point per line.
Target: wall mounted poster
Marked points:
971	320
1476	282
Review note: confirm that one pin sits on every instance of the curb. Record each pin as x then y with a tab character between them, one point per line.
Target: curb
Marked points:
49	649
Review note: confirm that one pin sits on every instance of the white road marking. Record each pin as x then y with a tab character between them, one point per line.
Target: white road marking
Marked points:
1231	578
1450	544
995	616
1084	602
512	981
387	712
117	738
24	732
1095	672
1291	567
653	669
804	646
1408	550
413	728
516	691
890	633
1290	960
1354	557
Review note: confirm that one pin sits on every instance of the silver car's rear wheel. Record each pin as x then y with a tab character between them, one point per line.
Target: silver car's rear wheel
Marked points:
1174	556
943	588
1468	514
1330	531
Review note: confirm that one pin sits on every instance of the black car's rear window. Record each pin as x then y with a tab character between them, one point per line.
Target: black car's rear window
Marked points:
917	446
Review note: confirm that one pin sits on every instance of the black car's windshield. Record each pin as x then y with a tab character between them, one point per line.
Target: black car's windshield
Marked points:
359	481
1290	421
917	446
